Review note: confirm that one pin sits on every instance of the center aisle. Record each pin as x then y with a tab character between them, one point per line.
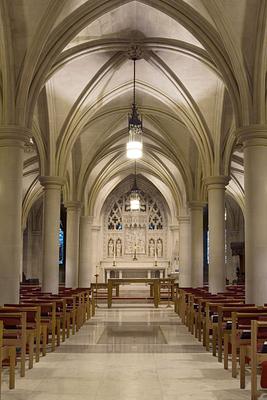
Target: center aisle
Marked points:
129	354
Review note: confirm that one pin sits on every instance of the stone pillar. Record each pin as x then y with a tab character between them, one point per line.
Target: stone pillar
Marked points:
51	223
12	139
197	242
27	253
254	139
95	250
174	251
185	252
72	243
37	255
85	261
216	204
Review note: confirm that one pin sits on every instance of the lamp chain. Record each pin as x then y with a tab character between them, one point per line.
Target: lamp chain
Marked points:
134	84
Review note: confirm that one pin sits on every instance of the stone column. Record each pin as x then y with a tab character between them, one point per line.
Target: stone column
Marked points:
254	139
85	265
12	139
185	252
197	242
51	223
27	253
174	252
37	255
72	243
216	204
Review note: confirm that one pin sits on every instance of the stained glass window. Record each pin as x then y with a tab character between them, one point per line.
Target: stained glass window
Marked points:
61	245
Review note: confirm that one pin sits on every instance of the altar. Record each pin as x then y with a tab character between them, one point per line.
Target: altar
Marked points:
133	270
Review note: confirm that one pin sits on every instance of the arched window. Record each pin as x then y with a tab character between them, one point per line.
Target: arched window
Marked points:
115	218
155	220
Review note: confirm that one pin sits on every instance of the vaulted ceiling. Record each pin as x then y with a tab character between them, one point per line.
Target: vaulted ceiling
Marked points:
66	74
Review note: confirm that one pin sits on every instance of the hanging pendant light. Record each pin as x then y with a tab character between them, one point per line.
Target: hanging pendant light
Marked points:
134	195
134	146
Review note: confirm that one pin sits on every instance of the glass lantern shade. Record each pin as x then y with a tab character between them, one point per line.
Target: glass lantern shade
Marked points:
134	201
134	149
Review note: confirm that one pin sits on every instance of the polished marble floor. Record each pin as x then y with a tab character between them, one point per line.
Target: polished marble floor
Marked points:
128	353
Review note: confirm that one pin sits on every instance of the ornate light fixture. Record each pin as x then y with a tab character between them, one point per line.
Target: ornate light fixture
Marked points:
134	195
134	146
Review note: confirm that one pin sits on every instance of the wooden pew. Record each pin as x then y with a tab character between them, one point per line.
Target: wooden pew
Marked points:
252	352
211	319
14	334
242	321
33	323
199	310
48	320
61	315
7	353
224	328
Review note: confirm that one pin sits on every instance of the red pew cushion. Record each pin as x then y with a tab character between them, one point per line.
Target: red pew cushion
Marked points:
264	375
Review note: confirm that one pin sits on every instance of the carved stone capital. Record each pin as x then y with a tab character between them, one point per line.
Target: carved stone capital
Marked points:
14	135
252	135
197	205
73	205
184	219
51	182
216	182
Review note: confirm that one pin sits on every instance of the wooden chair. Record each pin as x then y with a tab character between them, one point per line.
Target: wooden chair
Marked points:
242	321
252	353
48	321
211	320
33	324
225	327
15	334
7	353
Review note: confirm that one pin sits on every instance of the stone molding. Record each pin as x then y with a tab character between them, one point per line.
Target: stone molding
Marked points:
14	136
96	227
252	135
216	182
197	205
184	219
174	228
73	205
52	182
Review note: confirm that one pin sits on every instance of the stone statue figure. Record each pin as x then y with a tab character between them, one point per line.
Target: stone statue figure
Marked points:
110	248
159	248
151	248
118	248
